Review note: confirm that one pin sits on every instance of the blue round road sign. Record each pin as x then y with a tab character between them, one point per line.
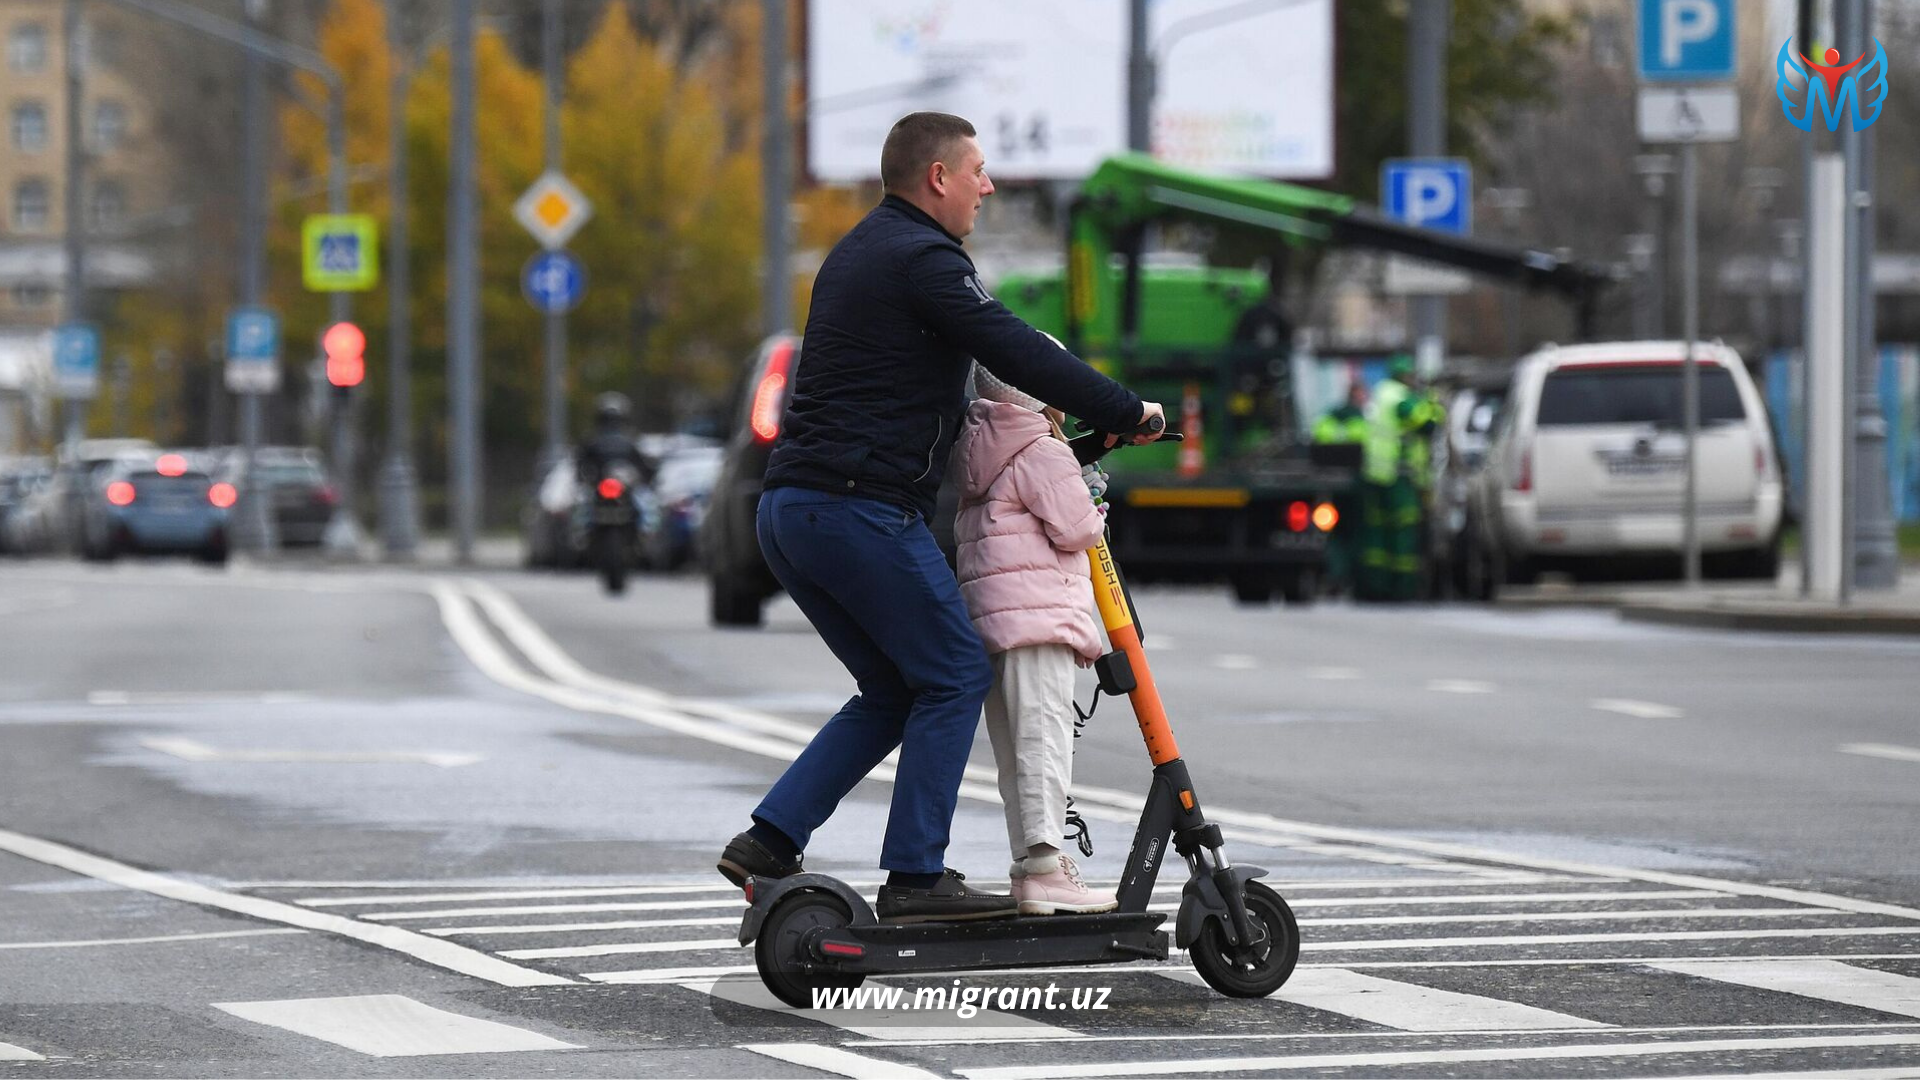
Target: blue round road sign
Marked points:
553	282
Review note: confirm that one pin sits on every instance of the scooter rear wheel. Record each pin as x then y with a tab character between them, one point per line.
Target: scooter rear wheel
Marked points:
1259	968
780	952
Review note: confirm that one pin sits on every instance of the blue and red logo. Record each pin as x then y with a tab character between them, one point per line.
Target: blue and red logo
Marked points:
1854	91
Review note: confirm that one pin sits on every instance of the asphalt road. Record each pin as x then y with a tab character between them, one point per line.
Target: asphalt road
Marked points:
300	822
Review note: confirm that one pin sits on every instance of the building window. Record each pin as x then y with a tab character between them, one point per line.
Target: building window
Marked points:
109	204
109	124
32	294
27	48
29	127
30	206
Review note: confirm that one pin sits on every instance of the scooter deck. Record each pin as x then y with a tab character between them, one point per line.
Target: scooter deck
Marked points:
1045	941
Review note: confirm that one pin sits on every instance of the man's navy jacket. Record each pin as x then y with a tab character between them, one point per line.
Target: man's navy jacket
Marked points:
898	311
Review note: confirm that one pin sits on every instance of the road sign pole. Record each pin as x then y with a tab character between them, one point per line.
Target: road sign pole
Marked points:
1690	379
74	294
463	331
1427	24
776	180
399	501
555	375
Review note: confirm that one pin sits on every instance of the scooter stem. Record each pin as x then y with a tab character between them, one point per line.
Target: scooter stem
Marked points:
1118	617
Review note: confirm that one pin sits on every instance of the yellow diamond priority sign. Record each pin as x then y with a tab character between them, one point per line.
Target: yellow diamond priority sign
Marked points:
552	210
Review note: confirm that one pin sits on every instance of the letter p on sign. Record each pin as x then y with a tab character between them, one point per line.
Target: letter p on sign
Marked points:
1686	40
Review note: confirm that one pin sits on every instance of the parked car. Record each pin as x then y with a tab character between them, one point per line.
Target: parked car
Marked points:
20	478
1460	453
167	504
49	519
1587	463
303	499
682	488
738	580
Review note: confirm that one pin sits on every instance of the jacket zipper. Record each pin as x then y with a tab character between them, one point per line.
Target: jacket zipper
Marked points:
939	429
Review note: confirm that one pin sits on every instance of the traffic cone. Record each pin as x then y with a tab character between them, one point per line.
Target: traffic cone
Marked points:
1193	451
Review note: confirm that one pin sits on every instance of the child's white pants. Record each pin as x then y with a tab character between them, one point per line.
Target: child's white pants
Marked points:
1030	723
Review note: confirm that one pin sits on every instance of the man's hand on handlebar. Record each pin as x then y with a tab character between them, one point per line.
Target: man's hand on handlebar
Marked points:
1148	430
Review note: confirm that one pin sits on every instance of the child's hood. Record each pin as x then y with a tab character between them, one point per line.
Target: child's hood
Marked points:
992	436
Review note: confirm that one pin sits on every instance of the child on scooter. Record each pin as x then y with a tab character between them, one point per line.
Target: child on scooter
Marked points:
1026	522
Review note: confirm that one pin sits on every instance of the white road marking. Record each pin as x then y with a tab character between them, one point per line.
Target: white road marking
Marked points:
985	1026
1505	898
189	750
1902	1072
516	894
1461	686
10	1052
671	975
1328	1062
830	1059
623	948
1571	916
464	624
1406	1006
429	950
188	697
1644	710
145	940
555	928
1826	980
540	909
389	1025
1389	1036
1335	674
1235	662
1365	945
1882	750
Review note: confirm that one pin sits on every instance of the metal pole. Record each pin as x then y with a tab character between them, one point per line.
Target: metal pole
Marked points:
1427	27
73	295
1826	389
343	531
1140	76
463	330
255	531
555	375
399	503
1874	561
1690	378
776	302
1803	383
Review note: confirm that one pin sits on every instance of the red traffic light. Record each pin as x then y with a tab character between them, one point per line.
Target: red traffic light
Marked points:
346	348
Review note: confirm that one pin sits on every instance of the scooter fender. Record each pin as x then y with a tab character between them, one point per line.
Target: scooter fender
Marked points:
768	892
1201	900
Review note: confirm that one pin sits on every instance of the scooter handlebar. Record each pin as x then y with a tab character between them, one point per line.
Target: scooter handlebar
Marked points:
1092	446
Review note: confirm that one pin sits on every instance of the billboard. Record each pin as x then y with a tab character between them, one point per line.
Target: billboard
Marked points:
1240	89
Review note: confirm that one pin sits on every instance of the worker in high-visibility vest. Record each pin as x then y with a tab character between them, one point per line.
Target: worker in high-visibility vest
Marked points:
1344	424
1400	425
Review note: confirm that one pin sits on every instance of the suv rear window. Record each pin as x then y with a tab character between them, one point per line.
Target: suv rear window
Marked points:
1636	394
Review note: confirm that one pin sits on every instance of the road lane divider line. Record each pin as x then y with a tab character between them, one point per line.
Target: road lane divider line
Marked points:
515	894
159	939
10	1052
624	948
880	1021
1406	1006
1641	710
391	1025
832	1059
556	928
1390	1036
1823	980
1882	750
463	622
1393	1059
429	950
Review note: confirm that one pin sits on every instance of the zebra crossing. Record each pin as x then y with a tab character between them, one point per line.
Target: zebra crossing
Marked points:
1495	968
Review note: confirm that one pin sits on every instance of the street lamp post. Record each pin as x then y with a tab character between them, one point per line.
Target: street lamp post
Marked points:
1650	303
399	502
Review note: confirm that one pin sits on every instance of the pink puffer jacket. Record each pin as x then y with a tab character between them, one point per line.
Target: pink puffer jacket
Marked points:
1024	528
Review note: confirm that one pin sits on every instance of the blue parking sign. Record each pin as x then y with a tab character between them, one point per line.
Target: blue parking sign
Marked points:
1686	40
1432	193
253	351
76	361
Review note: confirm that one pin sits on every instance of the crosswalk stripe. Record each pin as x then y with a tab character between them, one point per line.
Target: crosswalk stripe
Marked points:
1406	1006
1364	944
984	1026
832	1059
703	945
10	1052
1826	980
542	909
1329	1062
646	976
514	894
390	1025
555	928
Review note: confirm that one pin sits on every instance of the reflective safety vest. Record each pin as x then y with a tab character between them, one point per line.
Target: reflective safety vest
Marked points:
1345	424
1425	414
1386	410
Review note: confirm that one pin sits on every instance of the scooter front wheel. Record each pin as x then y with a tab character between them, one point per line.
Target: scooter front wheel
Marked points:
781	954
1259	967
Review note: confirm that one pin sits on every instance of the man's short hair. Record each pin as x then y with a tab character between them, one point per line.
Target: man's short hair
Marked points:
917	141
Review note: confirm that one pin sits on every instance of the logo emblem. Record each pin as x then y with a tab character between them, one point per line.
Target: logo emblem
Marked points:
1856	91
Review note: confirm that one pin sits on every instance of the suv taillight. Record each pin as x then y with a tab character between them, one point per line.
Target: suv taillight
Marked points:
1759	463
769	395
1524	480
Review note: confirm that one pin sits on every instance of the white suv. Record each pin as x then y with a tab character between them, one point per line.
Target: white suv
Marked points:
1588	460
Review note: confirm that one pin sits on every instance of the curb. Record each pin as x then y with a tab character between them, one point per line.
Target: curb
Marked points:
1824	621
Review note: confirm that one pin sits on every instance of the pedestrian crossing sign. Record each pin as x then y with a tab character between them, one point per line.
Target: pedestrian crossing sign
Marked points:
340	252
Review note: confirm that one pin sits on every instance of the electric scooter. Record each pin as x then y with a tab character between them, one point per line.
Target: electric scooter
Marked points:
812	931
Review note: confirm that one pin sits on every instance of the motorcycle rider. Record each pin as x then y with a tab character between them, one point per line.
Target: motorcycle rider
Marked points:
611	441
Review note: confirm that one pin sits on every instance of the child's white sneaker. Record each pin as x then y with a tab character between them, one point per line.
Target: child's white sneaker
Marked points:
1052	885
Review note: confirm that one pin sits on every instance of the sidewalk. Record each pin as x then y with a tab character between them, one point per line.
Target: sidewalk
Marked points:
1739	605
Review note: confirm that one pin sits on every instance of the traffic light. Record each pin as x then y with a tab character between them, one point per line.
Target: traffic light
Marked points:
345	346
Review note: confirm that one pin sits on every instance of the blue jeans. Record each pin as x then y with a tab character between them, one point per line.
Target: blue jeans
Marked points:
870	578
